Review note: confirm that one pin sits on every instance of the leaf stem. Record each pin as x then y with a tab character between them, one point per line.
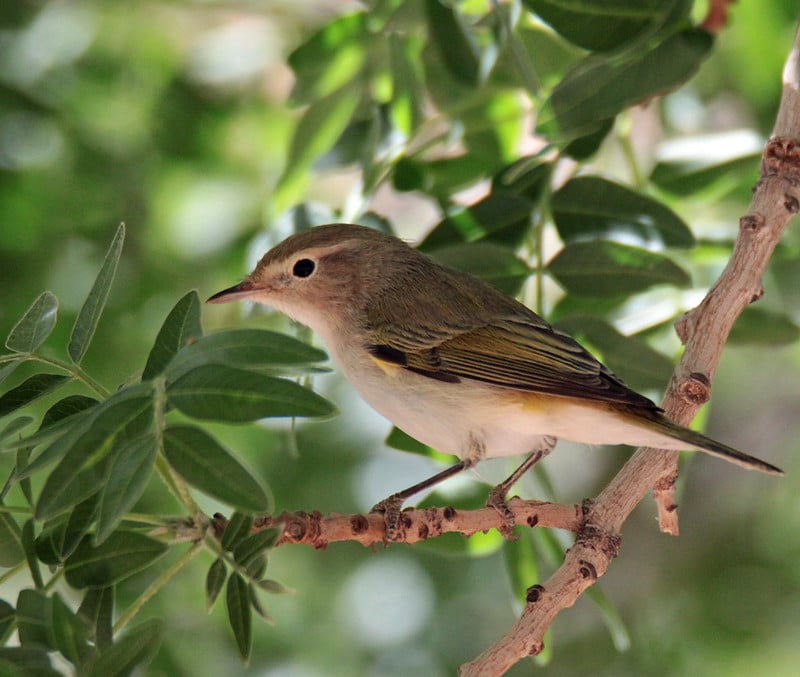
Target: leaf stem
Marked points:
75	370
155	586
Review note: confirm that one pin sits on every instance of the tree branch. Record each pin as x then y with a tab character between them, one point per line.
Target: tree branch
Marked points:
704	331
416	525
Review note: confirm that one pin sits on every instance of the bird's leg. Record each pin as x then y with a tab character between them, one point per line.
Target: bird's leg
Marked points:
497	497
390	507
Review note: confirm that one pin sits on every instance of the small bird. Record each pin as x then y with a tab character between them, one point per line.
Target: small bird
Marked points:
451	360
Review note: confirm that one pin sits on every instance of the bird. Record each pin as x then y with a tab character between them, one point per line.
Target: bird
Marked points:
453	361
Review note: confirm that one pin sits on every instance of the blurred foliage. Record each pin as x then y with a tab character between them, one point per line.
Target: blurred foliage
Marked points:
509	140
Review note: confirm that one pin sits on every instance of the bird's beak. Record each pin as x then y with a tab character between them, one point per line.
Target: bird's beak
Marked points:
236	293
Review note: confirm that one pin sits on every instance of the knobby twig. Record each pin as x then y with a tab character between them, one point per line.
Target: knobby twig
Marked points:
704	331
416	524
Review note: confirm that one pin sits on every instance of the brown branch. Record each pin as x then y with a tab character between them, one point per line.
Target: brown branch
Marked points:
704	331
302	528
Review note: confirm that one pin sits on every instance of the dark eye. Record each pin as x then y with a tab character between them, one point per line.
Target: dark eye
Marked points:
303	268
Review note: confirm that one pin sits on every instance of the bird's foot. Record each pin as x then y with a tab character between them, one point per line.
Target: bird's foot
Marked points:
497	500
391	508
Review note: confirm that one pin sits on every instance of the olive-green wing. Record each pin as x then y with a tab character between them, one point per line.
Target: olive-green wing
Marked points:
511	353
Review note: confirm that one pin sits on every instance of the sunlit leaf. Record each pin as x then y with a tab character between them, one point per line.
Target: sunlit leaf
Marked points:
209	467
240	613
607	269
89	315
222	393
590	207
611	617
319	128
121	555
501	217
181	327
35	326
453	41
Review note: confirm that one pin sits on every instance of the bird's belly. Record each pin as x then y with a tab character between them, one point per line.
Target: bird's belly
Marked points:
467	418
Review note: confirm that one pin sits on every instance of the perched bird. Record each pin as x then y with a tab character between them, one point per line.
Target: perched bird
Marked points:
450	359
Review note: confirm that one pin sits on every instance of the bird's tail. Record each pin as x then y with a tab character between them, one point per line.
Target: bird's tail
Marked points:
699	442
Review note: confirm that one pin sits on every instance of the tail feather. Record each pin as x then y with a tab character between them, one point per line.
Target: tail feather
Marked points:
699	442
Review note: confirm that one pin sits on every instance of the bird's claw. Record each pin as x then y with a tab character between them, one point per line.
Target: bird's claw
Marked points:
497	500
391	509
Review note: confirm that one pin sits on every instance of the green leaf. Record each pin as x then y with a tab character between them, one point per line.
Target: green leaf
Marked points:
688	178
762	326
318	129
29	547
240	613
597	24
70	632
121	555
453	41
12	551
84	451
330	59
35	326
254	545
405	60
492	262
34	618
209	467
522	563
66	407
180	329
215	579
29	390
9	367
603	269
639	365
589	207
97	609
134	648
89	315
26	661
398	439
222	393
501	217
611	617
527	177
7	620
599	87
251	349
237	529
128	474
15	425
273	587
